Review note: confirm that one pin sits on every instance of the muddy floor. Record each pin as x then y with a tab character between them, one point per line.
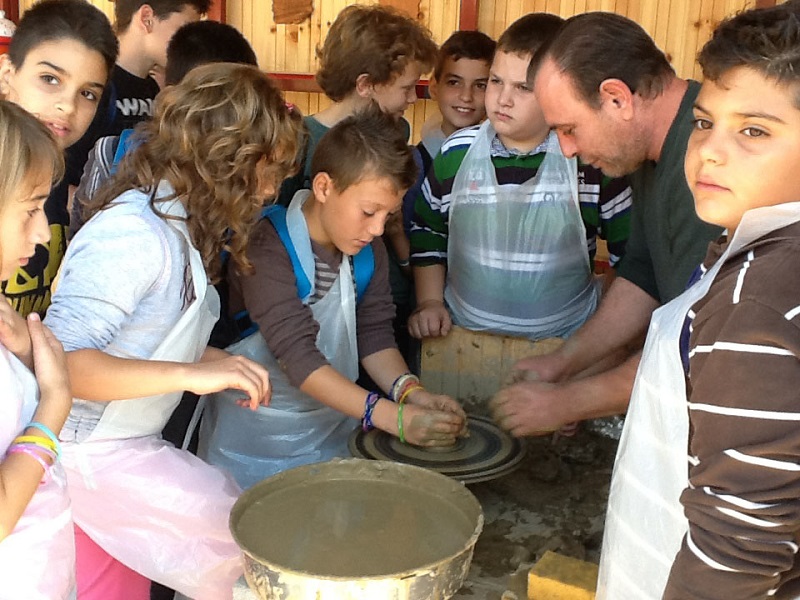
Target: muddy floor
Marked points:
555	501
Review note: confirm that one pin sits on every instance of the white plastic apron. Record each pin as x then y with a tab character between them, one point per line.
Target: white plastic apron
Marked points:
645	523
295	429
517	259
37	560
157	509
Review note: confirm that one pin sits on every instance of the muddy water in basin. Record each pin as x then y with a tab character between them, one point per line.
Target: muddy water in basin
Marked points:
353	528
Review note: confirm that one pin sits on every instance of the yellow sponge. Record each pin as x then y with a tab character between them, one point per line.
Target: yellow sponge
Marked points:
557	577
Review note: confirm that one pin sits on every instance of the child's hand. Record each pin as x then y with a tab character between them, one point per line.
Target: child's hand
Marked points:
423	427
50	368
430	319
14	333
424	399
230	372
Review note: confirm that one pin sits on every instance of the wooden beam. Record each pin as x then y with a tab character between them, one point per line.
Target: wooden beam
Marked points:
765	3
11	8
468	19
218	11
307	83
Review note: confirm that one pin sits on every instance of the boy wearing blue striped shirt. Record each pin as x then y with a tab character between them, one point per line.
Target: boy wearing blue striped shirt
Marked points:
727	521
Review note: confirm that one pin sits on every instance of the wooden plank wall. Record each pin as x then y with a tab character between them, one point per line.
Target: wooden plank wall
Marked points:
680	28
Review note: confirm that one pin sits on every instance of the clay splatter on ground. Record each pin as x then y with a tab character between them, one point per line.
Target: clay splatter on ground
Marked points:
555	501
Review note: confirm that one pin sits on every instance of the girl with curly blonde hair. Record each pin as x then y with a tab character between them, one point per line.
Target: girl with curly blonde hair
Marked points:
134	308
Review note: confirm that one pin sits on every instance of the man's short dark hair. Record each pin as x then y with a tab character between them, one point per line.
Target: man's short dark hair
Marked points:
162	9
472	45
204	42
367	144
528	33
595	46
54	20
766	40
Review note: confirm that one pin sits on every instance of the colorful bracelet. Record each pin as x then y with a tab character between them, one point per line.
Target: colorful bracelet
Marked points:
401	383
407	392
30	451
400	432
35	440
48	432
369	406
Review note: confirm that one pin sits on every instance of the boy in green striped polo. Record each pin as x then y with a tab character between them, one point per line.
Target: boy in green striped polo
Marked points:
505	228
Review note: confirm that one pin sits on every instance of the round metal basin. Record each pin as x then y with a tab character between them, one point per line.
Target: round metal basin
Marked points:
356	529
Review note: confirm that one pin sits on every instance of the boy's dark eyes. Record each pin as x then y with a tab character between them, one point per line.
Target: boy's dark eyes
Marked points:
90	95
702	124
481	85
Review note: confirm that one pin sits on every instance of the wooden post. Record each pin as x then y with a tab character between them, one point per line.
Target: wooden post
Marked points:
468	19
217	12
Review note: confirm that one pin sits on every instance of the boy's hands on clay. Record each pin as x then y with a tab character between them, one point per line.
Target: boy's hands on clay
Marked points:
50	368
529	408
425	399
423	427
14	333
430	319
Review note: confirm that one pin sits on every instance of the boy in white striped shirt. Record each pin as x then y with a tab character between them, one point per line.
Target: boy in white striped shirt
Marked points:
728	523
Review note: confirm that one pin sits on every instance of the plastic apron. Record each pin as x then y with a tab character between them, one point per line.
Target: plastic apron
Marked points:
37	560
645	522
517	259
295	429
157	509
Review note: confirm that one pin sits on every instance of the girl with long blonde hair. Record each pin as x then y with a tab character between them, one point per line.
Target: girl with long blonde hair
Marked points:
134	309
37	557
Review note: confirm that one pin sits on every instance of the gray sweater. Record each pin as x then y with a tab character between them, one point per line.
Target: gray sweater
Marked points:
124	283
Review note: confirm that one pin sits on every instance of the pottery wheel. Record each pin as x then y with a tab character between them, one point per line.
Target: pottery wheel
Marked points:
486	454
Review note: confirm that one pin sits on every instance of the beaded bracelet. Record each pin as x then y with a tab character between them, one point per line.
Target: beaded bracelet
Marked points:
369	406
400	432
49	433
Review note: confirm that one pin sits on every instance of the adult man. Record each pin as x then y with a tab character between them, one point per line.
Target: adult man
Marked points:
613	98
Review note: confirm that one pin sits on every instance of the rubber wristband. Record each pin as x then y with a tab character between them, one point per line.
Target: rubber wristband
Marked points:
43	442
49	433
407	392
23	449
400	432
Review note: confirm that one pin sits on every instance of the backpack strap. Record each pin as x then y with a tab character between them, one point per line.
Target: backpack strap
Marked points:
363	268
363	262
277	216
124	144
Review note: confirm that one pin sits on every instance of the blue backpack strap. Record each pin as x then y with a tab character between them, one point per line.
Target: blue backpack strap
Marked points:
277	216
363	268
124	144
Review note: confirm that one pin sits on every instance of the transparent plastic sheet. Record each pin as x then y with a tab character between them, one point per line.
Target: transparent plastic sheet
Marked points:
37	560
295	429
517	255
161	511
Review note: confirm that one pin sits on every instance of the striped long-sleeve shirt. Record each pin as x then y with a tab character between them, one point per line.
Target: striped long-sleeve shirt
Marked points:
743	498
605	203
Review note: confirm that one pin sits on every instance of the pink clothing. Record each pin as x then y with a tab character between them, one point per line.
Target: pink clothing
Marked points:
102	577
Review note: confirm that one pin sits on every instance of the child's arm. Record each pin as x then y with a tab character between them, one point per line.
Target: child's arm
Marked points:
101	377
431	317
421	427
20	473
428	239
743	504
